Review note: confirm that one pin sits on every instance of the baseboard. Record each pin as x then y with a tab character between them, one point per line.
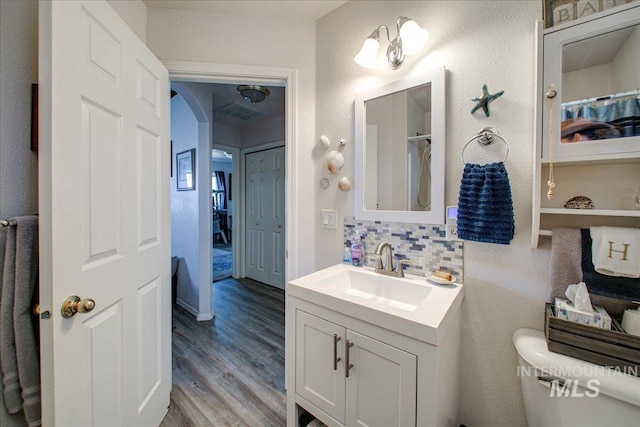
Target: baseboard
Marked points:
200	317
187	307
205	316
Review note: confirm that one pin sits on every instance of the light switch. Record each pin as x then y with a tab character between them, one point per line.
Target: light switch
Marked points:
329	219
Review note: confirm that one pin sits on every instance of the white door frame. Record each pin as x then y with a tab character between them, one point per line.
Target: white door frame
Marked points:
202	72
236	191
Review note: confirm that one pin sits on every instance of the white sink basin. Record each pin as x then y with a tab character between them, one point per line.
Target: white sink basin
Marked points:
410	305
404	294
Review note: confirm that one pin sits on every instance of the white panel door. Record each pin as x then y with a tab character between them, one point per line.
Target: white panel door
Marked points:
381	387
320	372
104	201
265	247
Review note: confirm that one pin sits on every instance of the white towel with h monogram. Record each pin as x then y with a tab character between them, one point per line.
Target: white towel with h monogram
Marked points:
616	251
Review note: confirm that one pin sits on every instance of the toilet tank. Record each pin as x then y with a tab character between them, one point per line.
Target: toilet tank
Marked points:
562	391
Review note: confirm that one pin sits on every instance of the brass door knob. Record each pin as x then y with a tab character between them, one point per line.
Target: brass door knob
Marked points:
74	304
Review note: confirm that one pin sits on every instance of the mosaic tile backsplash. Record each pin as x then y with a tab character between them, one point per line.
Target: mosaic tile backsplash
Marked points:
424	245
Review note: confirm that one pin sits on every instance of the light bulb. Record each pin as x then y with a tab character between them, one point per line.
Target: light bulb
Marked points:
368	55
413	37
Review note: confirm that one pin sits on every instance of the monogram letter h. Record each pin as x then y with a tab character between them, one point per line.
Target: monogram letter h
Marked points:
623	252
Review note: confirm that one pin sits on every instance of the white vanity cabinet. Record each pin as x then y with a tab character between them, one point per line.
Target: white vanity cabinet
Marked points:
402	373
355	379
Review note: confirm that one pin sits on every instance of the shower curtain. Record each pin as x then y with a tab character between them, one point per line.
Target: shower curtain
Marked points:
622	111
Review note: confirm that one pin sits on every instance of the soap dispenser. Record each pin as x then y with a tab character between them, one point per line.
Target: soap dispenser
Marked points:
356	252
346	256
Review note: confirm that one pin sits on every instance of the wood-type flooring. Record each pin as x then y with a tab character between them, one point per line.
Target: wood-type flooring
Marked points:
230	371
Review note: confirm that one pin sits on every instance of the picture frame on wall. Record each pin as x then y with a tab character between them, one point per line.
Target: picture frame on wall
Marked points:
186	170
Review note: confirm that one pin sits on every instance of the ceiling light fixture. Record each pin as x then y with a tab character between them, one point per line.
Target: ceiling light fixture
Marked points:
411	38
253	93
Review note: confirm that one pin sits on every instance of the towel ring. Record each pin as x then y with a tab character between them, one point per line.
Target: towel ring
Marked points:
485	136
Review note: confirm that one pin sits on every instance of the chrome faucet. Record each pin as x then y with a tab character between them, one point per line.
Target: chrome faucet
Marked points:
387	267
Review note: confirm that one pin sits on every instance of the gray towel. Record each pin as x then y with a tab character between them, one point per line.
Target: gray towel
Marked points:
566	259
8	361
19	354
26	345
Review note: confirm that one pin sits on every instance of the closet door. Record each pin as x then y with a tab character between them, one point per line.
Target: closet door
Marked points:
265	216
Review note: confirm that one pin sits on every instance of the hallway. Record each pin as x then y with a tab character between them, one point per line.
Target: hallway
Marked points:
230	371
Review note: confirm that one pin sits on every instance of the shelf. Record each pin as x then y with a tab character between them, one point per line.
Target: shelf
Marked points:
598	159
590	212
620	8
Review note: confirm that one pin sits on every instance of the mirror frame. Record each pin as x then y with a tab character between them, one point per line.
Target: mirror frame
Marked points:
436	77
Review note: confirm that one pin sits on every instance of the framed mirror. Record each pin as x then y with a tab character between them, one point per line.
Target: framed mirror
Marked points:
400	150
593	67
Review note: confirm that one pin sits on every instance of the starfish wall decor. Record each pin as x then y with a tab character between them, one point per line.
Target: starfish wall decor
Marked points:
484	101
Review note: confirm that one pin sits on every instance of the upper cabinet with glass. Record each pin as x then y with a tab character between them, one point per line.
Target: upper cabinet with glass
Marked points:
588	135
400	150
594	66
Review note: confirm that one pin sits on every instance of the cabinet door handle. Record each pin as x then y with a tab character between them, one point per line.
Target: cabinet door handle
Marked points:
336	359
347	365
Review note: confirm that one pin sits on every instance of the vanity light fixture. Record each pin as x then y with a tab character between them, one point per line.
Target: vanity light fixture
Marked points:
253	93
411	38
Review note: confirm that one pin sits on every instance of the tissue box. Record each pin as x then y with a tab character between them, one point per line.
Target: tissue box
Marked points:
599	318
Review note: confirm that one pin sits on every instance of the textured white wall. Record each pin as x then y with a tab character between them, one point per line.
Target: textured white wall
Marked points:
19	61
254	40
199	98
134	13
478	42
184	207
18	165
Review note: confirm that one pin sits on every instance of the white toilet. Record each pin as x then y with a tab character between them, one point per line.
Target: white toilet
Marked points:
563	391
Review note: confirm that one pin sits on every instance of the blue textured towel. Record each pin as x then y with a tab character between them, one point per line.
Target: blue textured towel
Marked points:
485	207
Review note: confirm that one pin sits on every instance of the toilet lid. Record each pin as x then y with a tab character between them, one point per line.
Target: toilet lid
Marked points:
532	347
